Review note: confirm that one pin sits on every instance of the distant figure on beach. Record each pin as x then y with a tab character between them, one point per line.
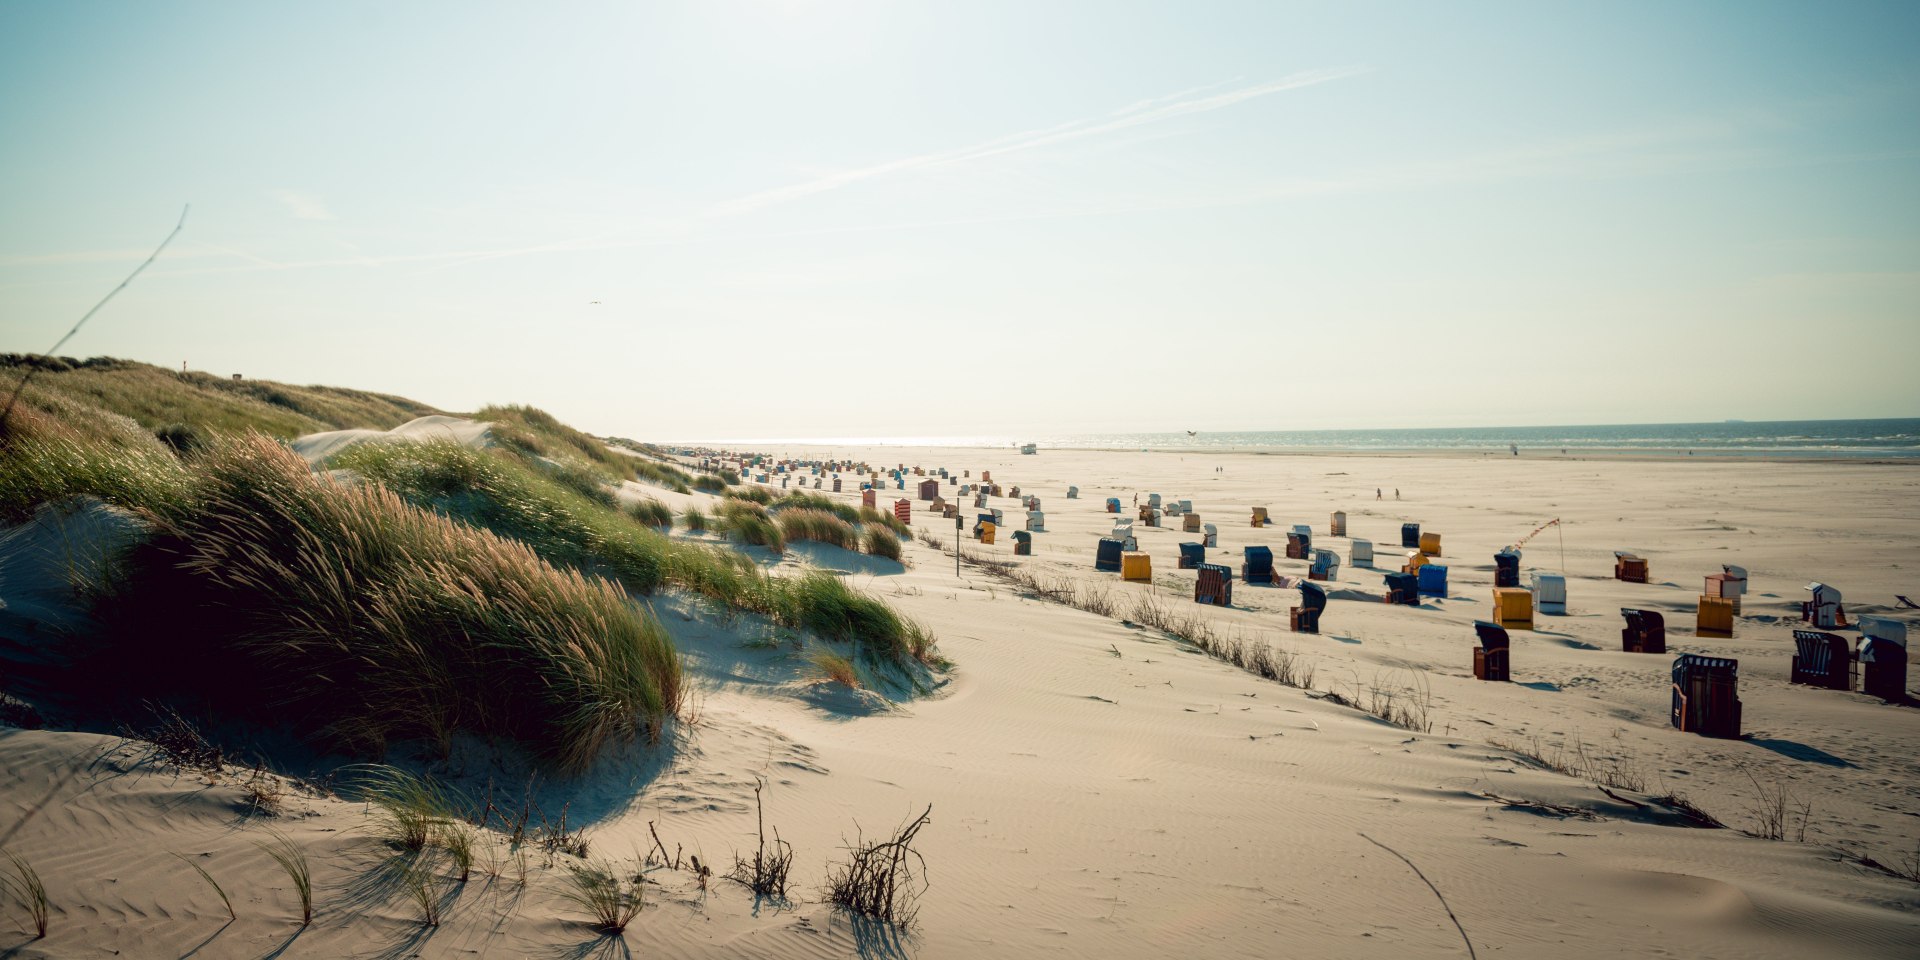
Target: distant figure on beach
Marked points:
1377	495
1515	448
1396	493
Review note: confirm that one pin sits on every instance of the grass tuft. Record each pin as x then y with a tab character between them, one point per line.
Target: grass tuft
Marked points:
211	882
651	512
880	541
293	860
26	887
612	900
819	526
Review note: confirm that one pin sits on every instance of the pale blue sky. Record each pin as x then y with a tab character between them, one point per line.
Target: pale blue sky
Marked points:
839	219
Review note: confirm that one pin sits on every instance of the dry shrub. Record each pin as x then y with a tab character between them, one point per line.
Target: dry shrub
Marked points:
882	879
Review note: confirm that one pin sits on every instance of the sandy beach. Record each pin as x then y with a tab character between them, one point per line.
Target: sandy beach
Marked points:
1098	788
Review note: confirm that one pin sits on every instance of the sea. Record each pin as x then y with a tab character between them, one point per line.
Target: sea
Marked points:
1811	439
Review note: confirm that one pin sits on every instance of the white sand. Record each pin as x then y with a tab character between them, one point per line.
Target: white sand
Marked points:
1099	790
317	447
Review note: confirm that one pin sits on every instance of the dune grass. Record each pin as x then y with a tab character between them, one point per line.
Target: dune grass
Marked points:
651	512
509	497
829	664
749	523
759	495
602	890
880	541
155	397
293	860
708	483
869	515
53	466
26	887
520	500
818	526
387	620
800	500
211	882
695	519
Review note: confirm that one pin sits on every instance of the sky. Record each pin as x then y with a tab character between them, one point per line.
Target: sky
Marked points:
807	218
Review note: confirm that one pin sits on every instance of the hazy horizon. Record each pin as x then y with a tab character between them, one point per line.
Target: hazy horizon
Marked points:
839	219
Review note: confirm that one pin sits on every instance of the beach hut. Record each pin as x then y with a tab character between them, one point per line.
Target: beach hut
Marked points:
1360	553
1302	536
1326	565
1014	491
1153	500
1113	504
1186	506
1706	695
986	476
1135	565
1036	521
949	511
1073	493
1403	588
903	511
1192	555
867	497
1172	508
816	483
1629	568
1260	517
1430	544
929	489
1256	565
1337	525
1190	523
999	517
1549	594
1823	660
1410	535
1022	543
1209	535
1107	557
1029	449
1431	581
783	482
987	531
836	484
1305	618
1490	658
1729	584
979	499
1215	586
1883	659
1513	607
1506	568
1415	560
1645	632
951	479
1713	618
1822	608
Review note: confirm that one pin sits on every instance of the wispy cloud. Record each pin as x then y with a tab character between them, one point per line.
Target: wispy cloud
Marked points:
1148	111
303	206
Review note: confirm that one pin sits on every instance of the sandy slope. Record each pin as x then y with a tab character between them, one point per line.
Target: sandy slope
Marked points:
1100	790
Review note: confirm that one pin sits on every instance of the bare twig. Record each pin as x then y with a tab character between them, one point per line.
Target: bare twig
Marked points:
1430	886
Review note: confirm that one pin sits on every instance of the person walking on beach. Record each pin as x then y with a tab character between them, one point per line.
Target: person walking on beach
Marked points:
1396	493
1376	494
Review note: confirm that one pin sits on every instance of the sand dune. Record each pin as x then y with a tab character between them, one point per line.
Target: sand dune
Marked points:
1101	789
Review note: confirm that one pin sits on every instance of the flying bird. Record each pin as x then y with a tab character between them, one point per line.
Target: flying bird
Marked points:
1191	433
